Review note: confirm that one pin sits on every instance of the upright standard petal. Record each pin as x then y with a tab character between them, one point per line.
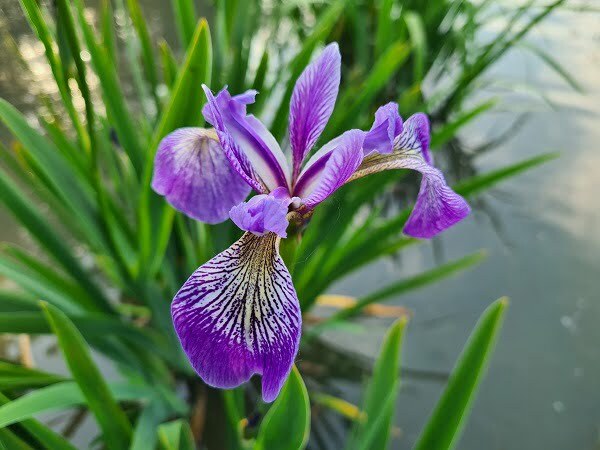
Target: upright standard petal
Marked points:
263	213
312	102
193	173
252	138
330	168
238	315
237	158
438	207
385	129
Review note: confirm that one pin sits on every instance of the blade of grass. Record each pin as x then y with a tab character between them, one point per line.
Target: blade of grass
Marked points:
443	428
185	20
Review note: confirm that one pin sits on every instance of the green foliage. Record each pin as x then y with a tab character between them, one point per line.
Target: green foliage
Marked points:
90	167
449	416
286	425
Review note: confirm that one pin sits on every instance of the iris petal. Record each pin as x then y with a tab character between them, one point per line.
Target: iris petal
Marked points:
312	102
330	168
438	207
238	315
250	136
192	172
263	213
387	126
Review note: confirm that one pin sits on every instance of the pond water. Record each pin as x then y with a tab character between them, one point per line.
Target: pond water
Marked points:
540	230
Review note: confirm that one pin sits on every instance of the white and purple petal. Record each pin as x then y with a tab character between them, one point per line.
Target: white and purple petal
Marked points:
386	127
192	172
330	168
238	315
263	213
438	207
312	102
415	136
250	136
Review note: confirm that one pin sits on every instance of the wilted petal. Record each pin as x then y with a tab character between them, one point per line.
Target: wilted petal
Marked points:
385	129
193	173
263	213
238	315
250	136
312	102
330	168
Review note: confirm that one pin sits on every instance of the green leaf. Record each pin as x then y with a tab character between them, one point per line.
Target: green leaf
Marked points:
385	24
111	418
355	99
373	433
551	62
185	19
450	129
42	232
169	63
443	429
479	183
45	437
61	396
286	425
145	434
418	39
13	376
176	435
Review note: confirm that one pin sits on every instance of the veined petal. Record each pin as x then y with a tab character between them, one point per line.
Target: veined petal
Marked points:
312	102
415	136
252	138
193	173
438	207
385	129
331	168
263	213
238	315
238	159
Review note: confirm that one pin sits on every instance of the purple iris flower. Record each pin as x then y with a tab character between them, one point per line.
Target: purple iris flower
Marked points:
238	314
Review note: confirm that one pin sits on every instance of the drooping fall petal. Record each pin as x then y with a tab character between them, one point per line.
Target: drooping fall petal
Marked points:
194	175
238	315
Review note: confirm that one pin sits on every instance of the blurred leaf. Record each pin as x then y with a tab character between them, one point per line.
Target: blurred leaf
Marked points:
450	129
355	99
373	433
113	422
479	183
339	405
13	376
169	63
10	441
45	437
443	429
176	435
58	397
418	39
286	425
385	24
40	230
551	62
11	301
108	31
185	19
145	435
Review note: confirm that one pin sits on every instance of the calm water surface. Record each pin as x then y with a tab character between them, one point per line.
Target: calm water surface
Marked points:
541	231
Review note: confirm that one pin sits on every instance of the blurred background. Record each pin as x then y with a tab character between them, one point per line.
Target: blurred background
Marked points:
539	230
